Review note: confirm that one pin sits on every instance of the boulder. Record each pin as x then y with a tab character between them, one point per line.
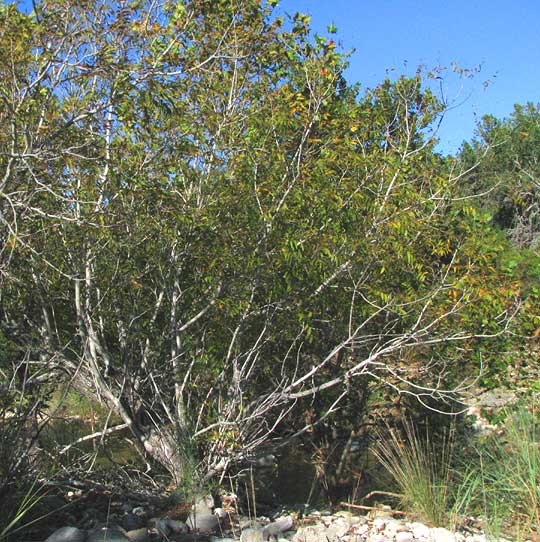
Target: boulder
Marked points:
68	534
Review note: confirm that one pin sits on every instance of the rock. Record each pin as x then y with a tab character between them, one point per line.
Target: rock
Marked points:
404	536
202	518
277	527
360	530
159	526
68	534
131	522
391	527
204	524
319	533
311	533
379	523
176	526
138	535
420	531
338	529
106	534
252	534
343	514
439	534
378	537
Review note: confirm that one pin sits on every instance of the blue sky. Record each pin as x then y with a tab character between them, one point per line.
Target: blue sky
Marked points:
502	37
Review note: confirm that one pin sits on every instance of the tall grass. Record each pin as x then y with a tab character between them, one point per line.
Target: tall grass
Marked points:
500	482
421	467
511	472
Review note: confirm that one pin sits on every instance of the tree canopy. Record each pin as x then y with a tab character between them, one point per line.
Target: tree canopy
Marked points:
206	228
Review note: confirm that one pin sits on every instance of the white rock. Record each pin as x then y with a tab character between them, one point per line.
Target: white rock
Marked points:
379	524
392	527
419	530
377	538
339	528
360	529
439	534
404	536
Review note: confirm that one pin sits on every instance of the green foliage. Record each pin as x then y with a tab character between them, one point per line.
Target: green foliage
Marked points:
209	222
503	162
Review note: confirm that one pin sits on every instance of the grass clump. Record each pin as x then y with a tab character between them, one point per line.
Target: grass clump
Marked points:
422	468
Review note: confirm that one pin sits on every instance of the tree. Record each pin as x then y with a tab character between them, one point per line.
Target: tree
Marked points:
508	171
218	230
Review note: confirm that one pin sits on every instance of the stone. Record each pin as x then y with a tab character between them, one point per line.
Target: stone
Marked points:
202	523
252	534
311	533
176	526
130	522
377	537
360	530
68	534
440	534
317	533
403	536
277	527
343	514
138	535
202	518
420	531
379	523
159	526
338	528
107	534
392	527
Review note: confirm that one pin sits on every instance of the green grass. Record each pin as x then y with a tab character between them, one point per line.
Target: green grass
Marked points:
14	520
510	467
499	482
421	467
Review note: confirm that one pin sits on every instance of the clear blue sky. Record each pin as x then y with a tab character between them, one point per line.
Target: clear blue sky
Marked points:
501	36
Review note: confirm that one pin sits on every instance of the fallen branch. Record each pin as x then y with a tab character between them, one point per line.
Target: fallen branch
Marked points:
93	436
